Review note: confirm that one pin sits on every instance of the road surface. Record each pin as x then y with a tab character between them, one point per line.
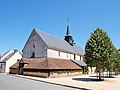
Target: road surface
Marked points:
9	82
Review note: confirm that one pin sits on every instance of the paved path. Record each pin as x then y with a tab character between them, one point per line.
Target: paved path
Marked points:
8	82
84	82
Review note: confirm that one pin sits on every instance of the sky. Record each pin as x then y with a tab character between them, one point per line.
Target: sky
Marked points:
19	17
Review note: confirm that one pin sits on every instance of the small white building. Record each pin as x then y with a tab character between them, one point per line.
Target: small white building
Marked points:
8	59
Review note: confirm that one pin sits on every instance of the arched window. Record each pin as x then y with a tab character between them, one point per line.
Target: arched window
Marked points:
59	53
33	55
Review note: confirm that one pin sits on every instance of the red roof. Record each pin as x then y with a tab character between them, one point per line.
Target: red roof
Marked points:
51	63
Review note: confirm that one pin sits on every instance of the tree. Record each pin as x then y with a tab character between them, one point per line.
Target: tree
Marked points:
116	63
98	50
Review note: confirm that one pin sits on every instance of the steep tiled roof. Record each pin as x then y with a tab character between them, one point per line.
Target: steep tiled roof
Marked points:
25	60
51	63
59	44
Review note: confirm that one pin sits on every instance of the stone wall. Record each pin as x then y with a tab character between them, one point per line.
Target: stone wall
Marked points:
52	73
64	74
41	74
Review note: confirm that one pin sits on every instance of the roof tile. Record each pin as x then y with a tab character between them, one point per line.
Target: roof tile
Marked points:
57	43
51	63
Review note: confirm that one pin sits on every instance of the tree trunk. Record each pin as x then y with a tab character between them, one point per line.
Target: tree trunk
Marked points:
116	73
103	74
91	70
109	73
99	75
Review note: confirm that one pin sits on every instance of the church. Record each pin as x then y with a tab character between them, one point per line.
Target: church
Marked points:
48	56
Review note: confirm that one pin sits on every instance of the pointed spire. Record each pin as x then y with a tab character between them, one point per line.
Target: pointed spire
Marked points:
68	30
68	37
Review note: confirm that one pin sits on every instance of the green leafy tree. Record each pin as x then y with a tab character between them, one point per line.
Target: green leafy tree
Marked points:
98	50
110	56
116	63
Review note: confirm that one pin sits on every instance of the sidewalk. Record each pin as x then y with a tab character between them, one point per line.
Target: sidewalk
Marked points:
83	82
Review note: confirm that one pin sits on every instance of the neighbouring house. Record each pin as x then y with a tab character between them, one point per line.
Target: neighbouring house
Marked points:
49	56
8	59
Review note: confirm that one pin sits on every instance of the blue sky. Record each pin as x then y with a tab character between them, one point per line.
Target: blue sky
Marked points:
19	17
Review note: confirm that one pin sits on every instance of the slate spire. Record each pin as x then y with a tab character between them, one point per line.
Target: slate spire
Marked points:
68	31
68	37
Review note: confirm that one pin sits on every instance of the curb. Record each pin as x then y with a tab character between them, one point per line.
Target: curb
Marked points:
54	83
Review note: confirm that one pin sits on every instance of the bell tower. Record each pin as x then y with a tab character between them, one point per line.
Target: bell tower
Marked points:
68	37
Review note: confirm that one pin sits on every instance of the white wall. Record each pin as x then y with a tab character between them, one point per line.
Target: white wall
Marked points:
12	61
77	57
72	56
55	54
63	55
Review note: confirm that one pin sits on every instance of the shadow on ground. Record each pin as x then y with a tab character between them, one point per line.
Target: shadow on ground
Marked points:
87	79
103	76
94	79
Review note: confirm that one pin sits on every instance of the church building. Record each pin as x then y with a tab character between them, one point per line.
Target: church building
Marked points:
50	56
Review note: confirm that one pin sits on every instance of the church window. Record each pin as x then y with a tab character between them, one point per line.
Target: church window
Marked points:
80	57
74	56
59	53
67	55
33	55
33	50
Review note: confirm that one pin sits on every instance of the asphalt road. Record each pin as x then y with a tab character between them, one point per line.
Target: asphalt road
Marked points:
8	82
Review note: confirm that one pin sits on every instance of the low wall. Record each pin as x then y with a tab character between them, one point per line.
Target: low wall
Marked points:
64	74
13	71
41	74
52	73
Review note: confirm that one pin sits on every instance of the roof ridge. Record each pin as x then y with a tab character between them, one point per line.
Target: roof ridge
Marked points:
37	31
8	57
53	42
49	34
